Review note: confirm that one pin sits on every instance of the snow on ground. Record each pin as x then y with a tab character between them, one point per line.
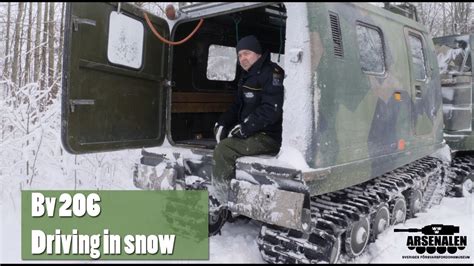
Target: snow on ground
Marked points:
391	246
237	243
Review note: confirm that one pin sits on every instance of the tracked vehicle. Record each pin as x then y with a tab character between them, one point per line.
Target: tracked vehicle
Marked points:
362	115
455	63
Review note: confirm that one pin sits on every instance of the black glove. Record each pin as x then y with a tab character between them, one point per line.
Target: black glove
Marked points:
237	132
219	132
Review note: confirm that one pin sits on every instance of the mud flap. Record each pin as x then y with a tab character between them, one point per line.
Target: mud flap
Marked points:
269	204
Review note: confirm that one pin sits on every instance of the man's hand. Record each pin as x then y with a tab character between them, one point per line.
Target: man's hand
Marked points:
219	132
237	132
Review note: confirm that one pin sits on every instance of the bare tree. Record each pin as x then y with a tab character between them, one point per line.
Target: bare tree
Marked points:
60	57
20	52
51	37
429	16
7	43
461	14
453	28
5	64
61	41
443	19
38	42
17	46
43	62
28	45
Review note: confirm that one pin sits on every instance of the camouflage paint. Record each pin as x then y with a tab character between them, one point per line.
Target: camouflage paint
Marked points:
363	131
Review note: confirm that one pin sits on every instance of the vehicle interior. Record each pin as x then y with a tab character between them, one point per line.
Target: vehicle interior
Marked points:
205	69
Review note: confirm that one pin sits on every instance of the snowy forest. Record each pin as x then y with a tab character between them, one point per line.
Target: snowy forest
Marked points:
31	51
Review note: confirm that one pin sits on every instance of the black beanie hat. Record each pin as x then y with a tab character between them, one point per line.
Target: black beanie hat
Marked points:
249	43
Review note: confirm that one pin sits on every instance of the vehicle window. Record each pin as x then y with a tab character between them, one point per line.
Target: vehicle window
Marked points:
371	49
274	58
221	63
417	55
125	45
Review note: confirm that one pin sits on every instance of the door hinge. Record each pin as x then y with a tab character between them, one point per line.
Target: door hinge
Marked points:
75	102
76	21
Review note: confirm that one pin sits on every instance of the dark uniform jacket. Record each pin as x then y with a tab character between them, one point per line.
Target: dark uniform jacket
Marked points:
259	102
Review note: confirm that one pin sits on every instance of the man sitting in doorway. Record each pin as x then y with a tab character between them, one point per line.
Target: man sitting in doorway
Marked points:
253	124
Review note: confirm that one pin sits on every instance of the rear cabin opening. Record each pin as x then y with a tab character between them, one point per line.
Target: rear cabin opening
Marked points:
205	69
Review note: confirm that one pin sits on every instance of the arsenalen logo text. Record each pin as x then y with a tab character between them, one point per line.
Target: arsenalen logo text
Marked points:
436	238
437	241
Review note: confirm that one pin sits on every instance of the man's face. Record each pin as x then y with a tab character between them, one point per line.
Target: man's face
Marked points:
247	58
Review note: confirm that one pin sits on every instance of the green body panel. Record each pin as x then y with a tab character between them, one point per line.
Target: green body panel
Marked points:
458	91
121	107
362	130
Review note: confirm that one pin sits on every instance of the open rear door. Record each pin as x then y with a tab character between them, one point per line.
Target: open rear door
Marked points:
113	77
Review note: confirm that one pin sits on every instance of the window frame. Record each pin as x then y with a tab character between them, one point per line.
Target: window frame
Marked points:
382	39
207	64
411	33
142	65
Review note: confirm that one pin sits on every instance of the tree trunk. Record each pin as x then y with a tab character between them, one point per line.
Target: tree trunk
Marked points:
21	71
455	18
27	76
61	42
16	46
444	18
452	18
7	46
467	14
421	14
44	42
51	49
460	16
5	73
59	69
43	62
51	77
38	42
